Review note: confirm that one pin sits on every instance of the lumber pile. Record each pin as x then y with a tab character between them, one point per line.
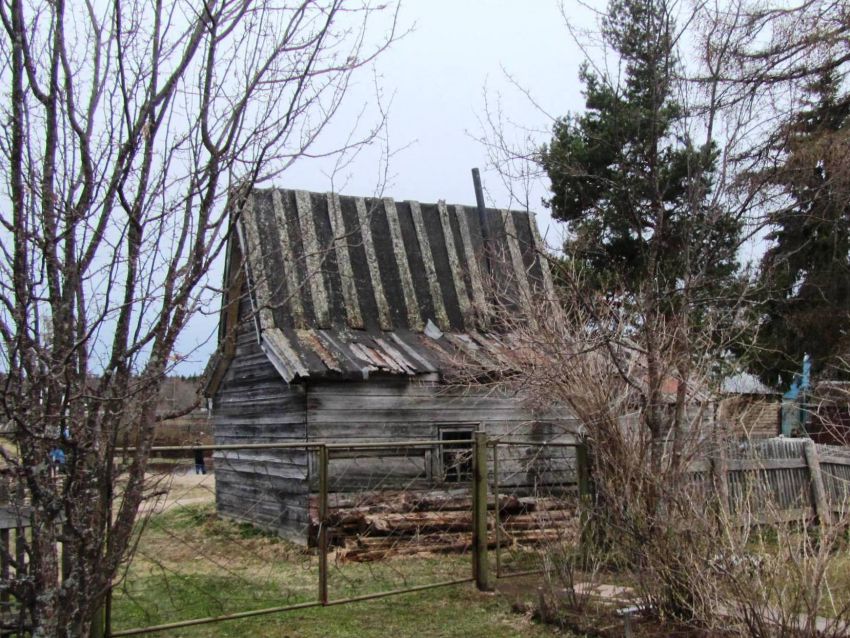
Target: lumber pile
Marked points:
378	525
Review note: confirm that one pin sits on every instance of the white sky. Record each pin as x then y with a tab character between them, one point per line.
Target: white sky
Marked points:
437	77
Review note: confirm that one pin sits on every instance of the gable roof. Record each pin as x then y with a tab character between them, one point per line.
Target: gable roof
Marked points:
348	286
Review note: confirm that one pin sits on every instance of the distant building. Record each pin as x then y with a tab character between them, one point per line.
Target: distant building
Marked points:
748	408
189	420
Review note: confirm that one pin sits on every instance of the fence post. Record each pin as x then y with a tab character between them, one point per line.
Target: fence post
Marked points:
5	572
480	560
496	510
720	473
584	494
323	524
583	471
97	629
820	502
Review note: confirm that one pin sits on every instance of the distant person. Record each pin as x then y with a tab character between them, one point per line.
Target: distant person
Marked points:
57	461
200	468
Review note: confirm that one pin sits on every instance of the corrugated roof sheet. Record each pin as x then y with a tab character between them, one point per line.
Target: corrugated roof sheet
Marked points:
745	383
345	286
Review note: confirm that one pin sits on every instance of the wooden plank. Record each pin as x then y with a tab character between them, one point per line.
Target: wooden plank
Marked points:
287	456
377	472
277	470
743	465
820	502
415	321
282	355
520	276
285	426
376	419
314	256
392	431
260	409
456	267
290	268
261	296
343	260
393	386
291	522
833	459
479	298
384	319
548	285
416	356
433	402
252	485
441	318
270	400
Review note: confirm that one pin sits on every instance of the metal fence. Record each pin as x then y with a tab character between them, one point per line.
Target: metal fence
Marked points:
361	520
275	527
192	566
535	492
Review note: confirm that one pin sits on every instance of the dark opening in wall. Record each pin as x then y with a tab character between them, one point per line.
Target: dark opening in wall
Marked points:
456	460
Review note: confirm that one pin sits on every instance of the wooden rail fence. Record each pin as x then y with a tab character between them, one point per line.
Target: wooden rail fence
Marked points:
781	479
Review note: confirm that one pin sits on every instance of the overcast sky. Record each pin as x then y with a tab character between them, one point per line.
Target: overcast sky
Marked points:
435	80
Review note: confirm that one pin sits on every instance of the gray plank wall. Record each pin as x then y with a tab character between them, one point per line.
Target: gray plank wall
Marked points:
272	488
253	405
399	410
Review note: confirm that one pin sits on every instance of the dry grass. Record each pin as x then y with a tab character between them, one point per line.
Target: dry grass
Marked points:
190	563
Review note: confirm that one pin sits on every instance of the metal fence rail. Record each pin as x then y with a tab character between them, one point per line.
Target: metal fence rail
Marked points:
369	505
535	487
358	511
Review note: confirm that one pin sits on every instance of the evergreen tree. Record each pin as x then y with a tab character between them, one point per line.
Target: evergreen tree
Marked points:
805	274
645	236
629	182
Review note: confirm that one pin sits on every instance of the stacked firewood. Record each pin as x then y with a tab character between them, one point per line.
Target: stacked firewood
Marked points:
375	526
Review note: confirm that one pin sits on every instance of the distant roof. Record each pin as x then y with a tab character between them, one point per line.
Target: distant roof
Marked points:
745	383
345	286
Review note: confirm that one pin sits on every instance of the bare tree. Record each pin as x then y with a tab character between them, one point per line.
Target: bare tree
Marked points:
133	132
640	365
783	69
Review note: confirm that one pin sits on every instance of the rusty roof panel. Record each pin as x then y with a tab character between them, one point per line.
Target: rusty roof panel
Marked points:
355	354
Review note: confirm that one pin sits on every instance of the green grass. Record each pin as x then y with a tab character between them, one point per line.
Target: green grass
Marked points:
191	564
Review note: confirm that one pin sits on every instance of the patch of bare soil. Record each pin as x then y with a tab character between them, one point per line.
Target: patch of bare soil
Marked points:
529	595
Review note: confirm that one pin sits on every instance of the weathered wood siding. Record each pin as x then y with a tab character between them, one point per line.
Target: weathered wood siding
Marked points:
253	405
403	410
272	488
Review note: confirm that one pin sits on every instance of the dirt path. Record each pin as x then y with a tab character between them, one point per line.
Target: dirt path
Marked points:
181	489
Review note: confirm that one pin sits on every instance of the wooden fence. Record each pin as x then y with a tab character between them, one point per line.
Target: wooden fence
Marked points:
14	523
781	479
